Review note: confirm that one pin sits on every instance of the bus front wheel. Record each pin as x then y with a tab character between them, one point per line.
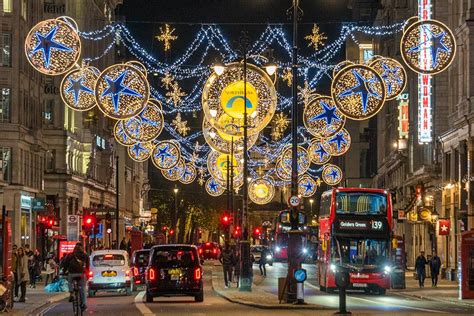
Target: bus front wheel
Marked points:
382	291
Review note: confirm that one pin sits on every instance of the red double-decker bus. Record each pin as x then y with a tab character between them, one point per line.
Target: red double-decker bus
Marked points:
282	226
355	230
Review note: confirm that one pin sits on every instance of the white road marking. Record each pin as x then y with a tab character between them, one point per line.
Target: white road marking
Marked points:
47	309
141	306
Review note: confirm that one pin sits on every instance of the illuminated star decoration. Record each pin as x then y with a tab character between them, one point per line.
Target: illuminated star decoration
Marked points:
339	140
328	114
180	126
363	89
316	38
46	43
76	87
213	186
164	153
390	75
321	152
201	181
175	94
187	174
137	149
116	88
280	123
308	186
287	76
167	80
433	43
306	92
334	174
166	36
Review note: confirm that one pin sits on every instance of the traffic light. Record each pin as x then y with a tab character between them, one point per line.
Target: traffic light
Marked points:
237	231
256	232
225	220
171	232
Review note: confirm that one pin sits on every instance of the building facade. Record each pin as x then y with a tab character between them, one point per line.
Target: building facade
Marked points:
55	160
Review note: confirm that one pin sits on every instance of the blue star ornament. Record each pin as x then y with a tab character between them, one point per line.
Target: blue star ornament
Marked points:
321	152
116	88
328	114
339	139
334	174
76	87
390	74
164	153
212	186
187	173
46	43
434	43
308	187
137	149
363	89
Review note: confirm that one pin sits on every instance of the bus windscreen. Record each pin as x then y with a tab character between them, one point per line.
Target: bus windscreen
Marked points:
360	251
361	203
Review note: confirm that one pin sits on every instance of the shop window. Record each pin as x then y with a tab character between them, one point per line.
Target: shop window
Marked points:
7	6
5	50
5	163
5	104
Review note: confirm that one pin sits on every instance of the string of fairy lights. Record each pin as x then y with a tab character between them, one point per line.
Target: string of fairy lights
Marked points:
189	84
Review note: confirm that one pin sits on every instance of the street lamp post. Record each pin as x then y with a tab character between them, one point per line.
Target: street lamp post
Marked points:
175	214
311	201
117	194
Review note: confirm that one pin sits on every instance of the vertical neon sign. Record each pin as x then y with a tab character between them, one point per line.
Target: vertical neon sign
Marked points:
425	120
403	123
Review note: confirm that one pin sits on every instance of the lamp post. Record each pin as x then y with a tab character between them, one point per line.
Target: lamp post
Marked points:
311	201
175	214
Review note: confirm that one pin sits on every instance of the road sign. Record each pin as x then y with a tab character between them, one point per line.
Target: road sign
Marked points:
73	227
294	201
300	275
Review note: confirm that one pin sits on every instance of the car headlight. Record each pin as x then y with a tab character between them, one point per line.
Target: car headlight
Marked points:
277	249
305	250
332	267
387	269
269	257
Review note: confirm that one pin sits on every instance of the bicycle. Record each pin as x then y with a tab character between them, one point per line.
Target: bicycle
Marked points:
76	297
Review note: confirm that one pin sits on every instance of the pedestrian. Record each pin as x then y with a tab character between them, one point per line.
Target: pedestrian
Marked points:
76	264
16	285
51	269
22	272
227	260
263	261
435	266
237	267
123	244
420	268
35	268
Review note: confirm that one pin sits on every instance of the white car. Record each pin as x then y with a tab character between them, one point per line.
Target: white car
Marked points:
109	272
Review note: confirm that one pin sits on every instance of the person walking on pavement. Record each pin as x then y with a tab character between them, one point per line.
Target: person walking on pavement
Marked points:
123	244
420	267
35	268
227	260
263	261
76	264
16	285
237	267
22	272
435	266
51	269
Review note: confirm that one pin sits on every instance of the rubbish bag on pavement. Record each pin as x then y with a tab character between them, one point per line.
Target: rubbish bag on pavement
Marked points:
58	286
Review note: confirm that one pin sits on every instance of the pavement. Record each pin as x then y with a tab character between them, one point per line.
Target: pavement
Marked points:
36	299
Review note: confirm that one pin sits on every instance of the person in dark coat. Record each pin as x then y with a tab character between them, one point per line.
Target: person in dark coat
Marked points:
435	266
263	261
237	267
123	244
420	264
227	259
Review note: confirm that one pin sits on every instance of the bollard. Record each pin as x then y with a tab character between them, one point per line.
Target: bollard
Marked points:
300	276
342	281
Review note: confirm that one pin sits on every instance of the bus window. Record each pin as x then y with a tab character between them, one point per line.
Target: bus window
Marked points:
360	251
361	203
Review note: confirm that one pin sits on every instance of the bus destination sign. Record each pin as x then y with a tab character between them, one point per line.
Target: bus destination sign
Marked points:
355	224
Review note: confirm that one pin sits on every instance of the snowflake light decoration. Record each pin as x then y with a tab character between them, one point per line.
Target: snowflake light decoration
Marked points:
201	181
166	36
280	124
167	80
175	94
316	38
305	93
287	76
180	126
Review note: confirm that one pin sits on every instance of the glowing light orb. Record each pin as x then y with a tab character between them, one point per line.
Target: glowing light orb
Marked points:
322	118
166	155
331	174
77	88
393	74
261	191
338	144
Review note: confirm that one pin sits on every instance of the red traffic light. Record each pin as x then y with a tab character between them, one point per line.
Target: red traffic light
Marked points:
256	232
164	228
172	232
225	219
89	220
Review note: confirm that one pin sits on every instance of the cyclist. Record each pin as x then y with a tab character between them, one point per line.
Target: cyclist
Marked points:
77	264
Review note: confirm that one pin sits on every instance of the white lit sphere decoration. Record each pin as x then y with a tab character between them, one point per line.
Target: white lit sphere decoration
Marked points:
393	74
428	47
317	153
189	174
338	144
322	118
166	154
223	99
121	137
141	151
122	90
303	160
359	92
307	186
281	172
175	173
222	142
147	125
213	188
261	191
331	174
53	46
77	88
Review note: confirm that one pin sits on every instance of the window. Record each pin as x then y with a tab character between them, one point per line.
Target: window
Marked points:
7	6
5	163
108	260
361	203
171	257
24	8
5	103
360	251
5	50
48	112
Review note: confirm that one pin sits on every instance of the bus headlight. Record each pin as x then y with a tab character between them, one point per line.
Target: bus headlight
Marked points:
387	269
269	257
277	249
333	267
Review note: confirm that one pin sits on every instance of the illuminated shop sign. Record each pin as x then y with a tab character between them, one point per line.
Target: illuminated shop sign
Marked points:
425	123
403	103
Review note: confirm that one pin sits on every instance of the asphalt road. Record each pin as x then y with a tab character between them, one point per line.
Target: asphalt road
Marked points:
115	304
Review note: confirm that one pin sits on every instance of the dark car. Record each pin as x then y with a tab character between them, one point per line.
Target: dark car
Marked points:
174	270
256	254
138	267
209	250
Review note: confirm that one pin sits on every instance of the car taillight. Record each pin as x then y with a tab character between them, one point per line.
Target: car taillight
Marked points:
127	273
200	251
214	250
135	271
91	274
197	274
151	274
